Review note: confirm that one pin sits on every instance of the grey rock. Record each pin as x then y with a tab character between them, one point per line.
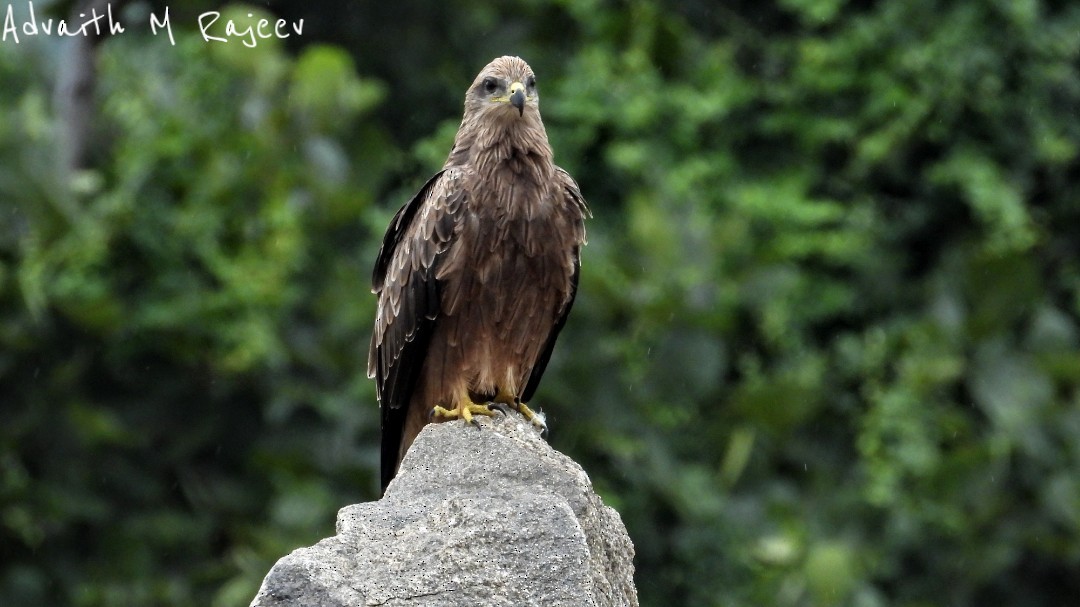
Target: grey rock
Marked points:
489	516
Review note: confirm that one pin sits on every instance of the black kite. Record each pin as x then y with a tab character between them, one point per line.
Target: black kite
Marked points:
477	272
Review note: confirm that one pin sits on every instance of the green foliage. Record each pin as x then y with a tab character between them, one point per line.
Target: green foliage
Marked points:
862	218
826	349
181	331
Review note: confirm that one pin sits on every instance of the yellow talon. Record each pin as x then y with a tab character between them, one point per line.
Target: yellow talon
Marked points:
526	411
464	412
467	409
533	417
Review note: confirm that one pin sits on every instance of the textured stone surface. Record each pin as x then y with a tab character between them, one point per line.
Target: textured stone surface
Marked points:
475	517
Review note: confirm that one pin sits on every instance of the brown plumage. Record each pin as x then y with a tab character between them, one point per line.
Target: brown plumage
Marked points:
477	272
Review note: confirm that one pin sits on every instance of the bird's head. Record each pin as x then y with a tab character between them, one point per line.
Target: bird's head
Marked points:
506	86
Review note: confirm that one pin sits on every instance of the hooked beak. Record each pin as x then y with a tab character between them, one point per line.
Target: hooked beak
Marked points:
517	97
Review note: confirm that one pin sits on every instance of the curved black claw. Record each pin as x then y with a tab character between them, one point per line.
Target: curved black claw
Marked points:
500	407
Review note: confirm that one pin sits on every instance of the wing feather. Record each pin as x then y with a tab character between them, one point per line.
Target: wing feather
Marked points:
405	279
577	211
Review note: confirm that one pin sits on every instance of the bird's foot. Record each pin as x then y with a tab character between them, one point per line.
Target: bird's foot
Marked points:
464	411
536	418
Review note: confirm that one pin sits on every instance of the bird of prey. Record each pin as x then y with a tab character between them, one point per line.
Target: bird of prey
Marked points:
477	273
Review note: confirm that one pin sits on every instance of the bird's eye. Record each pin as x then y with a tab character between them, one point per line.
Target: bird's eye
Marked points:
531	82
490	85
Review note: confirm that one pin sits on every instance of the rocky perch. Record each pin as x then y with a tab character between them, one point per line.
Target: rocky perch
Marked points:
492	516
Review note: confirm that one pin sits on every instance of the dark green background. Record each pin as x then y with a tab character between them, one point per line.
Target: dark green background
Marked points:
825	350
